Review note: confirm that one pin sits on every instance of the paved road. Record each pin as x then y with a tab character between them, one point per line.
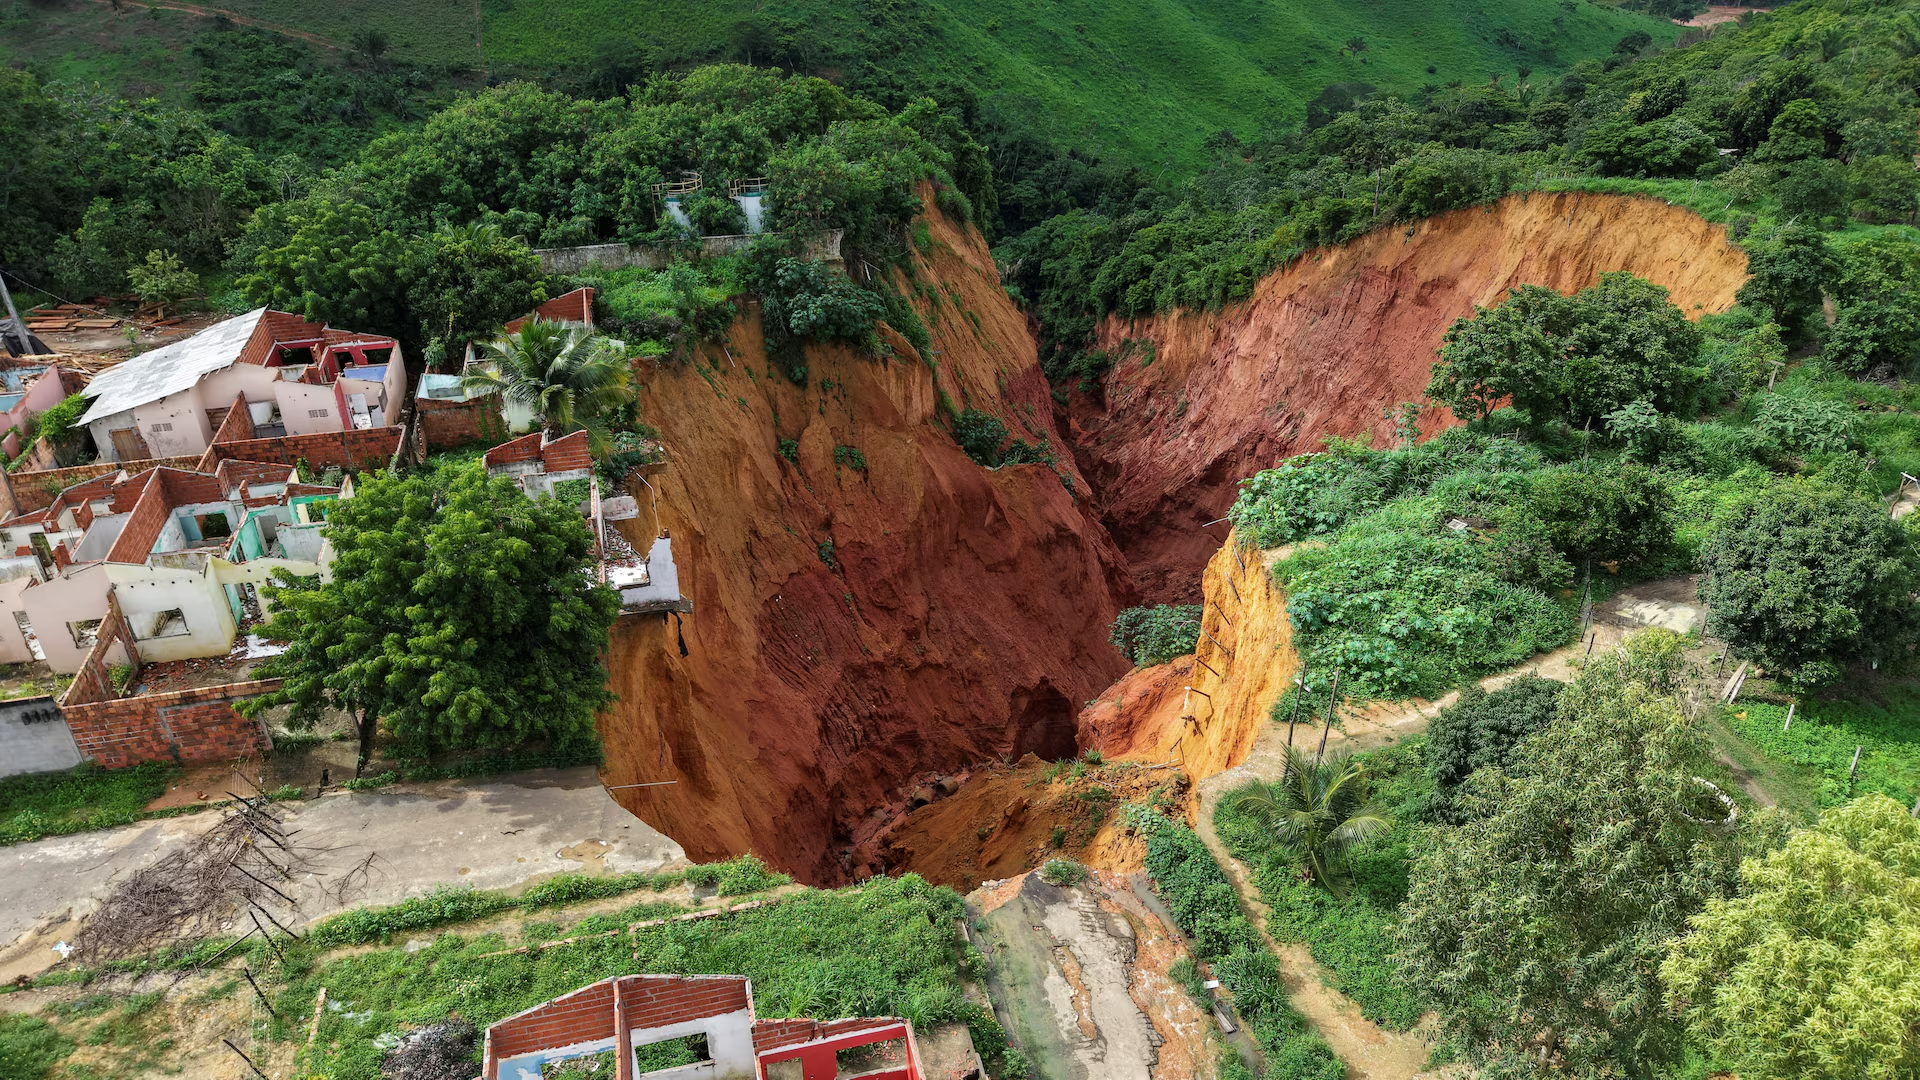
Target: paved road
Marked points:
492	834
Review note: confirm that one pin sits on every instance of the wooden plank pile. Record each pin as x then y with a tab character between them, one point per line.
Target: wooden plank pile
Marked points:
59	319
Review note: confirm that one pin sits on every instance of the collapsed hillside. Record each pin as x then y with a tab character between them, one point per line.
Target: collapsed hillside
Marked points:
870	629
860	620
1202	399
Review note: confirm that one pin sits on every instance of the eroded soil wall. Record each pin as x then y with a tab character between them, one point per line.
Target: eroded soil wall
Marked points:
1327	342
855	630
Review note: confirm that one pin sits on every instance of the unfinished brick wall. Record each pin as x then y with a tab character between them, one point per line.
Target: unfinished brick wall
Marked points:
357	450
451	424
587	1014
113	642
186	725
26	491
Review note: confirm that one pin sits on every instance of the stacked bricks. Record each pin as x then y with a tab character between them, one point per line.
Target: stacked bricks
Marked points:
524	448
186	725
567	453
652	1001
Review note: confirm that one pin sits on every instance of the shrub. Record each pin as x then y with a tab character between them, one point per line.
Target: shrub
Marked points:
1155	635
1063	873
1787	424
1480	731
984	439
1780	587
30	1047
1603	512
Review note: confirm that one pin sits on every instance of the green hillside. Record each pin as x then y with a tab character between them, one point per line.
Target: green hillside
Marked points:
1145	79
1140	81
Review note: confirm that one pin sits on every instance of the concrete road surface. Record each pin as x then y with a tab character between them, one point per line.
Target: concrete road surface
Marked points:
495	833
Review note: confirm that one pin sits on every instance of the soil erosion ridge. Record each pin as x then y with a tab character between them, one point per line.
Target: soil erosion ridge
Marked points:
872	609
1327	342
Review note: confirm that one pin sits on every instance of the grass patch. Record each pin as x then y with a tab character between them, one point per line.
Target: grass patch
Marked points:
1202	900
885	948
451	904
83	799
1349	937
30	1047
1824	735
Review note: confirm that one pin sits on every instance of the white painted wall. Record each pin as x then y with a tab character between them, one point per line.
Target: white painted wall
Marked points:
149	590
298	399
13	643
76	594
218	390
184	417
101	429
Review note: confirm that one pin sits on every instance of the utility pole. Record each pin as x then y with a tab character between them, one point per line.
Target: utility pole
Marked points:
16	330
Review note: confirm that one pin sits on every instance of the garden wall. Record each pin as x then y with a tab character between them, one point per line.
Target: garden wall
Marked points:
186	725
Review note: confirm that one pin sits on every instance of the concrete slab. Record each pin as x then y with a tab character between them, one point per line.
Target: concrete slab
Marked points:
1060	966
498	833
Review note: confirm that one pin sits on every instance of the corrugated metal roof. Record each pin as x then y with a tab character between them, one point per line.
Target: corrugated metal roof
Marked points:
170	368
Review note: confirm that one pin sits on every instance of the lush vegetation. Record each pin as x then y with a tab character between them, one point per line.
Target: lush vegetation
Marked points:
883	949
1825	733
450	904
1067	95
1481	731
568	376
1155	635
1812	578
1319	811
1349	935
86	798
1394	599
1808	971
1201	899
459	615
1834	79
1468	553
1541	920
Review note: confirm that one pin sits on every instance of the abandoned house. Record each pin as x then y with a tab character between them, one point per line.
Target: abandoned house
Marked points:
26	391
713	1017
572	309
183	553
298	378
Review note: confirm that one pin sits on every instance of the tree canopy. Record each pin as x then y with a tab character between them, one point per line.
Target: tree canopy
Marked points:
1809	973
1538	926
1809	577
1573	358
460	614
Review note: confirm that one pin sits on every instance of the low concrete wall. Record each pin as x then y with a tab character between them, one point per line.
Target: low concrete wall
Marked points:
34	738
618	256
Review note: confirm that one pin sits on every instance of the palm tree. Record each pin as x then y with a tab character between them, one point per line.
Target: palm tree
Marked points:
1319	810
570	376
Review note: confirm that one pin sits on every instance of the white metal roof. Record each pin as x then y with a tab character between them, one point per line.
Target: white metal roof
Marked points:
169	369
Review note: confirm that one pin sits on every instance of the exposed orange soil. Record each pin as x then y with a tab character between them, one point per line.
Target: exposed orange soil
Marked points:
962	620
1002	822
1325	343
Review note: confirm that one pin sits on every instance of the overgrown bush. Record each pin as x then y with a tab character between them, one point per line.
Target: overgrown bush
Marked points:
1155	635
1480	731
985	439
1063	873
